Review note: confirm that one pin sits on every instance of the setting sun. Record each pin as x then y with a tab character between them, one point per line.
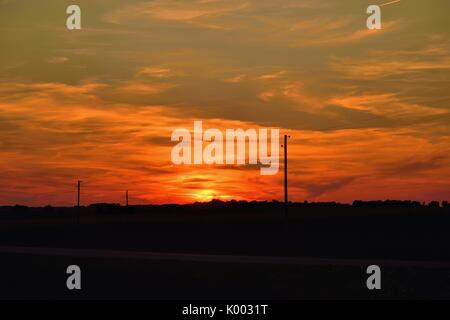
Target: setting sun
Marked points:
205	195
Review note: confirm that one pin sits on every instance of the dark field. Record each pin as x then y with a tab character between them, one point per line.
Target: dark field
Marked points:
37	277
385	235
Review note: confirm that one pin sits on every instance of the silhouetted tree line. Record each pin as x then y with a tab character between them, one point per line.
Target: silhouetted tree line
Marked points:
232	207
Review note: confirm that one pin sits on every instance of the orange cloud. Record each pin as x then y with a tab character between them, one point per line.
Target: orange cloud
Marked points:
46	147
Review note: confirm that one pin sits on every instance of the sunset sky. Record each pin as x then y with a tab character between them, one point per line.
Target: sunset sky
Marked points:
368	110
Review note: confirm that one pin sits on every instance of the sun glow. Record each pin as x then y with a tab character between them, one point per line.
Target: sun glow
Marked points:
205	195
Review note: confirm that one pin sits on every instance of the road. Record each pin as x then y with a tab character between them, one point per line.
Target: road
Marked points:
190	257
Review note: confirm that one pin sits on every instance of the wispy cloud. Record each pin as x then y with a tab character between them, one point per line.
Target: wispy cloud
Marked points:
156	72
57	60
327	31
192	12
272	76
380	65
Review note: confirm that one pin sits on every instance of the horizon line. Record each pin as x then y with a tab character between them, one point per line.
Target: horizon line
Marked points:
228	201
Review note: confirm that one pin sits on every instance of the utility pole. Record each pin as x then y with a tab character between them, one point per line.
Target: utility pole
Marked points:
79	185
285	176
78	202
126	198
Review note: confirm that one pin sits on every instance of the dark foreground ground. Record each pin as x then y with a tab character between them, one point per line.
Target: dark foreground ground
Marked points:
386	235
37	277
